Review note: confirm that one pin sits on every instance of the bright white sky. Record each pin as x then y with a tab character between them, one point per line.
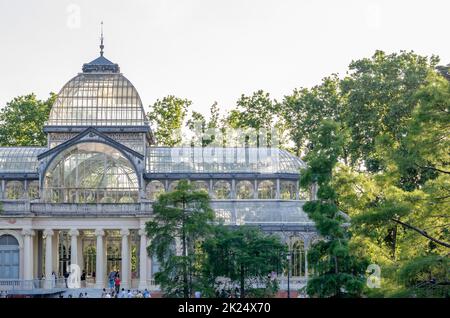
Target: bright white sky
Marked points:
209	50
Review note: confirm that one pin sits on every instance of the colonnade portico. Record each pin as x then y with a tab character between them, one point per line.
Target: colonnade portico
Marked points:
54	237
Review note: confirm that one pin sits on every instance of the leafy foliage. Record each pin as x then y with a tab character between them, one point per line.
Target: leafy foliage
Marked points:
206	133
246	256
338	272
22	121
183	215
168	115
258	112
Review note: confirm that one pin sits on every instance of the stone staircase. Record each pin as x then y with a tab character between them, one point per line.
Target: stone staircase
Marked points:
91	292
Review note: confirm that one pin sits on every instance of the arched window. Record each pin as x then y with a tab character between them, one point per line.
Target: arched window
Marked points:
173	185
14	190
266	190
9	257
288	190
201	185
154	189
91	173
33	190
222	189
298	259
244	190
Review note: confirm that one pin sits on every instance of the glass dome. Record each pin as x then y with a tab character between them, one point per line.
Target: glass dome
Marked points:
98	99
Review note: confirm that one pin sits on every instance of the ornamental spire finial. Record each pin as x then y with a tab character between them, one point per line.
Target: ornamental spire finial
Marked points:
101	41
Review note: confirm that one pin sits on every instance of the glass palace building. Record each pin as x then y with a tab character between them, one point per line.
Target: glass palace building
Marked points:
85	198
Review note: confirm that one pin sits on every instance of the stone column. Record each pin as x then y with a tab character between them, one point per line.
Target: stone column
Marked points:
55	247
27	254
74	246
48	233
125	272
143	260
255	186
99	261
211	188
35	253
306	258
233	189
278	193
80	255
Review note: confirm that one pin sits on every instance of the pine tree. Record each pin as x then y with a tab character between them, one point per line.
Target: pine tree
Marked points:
337	271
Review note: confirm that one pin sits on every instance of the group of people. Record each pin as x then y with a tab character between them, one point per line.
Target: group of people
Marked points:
81	295
113	293
114	281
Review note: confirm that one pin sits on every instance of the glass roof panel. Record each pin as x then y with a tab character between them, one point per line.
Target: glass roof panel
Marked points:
98	99
221	160
90	173
19	159
260	212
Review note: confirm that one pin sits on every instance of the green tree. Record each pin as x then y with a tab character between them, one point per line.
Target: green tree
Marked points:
184	215
338	270
258	112
304	109
22	121
402	214
168	116
206	132
246	256
380	97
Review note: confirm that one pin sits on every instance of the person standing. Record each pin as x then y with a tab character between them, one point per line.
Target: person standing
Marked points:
111	277
117	283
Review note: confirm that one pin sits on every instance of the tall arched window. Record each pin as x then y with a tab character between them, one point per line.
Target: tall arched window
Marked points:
266	190
154	189
288	190
298	259
91	173
244	190
222	189
9	257
14	190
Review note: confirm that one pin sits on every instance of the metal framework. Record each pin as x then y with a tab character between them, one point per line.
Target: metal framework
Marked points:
93	187
222	160
19	159
98	99
91	173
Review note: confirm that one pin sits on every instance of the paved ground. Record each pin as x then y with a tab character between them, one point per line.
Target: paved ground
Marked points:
96	293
